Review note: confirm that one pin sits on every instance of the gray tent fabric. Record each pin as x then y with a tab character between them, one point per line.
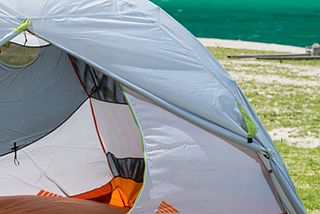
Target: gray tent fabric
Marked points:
37	97
46	87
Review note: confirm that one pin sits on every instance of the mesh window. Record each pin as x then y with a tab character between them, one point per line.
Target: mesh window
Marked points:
103	87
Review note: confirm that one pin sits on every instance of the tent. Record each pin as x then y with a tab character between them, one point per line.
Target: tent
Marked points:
120	104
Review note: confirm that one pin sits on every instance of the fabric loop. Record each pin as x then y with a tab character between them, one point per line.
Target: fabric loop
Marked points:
252	129
15	159
23	26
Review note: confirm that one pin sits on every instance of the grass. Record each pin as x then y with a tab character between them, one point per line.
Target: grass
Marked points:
18	55
304	167
285	94
297	108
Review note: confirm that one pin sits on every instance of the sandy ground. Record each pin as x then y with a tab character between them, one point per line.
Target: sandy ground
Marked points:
250	45
284	134
239	75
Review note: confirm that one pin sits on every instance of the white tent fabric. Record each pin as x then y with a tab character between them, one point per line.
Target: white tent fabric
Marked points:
140	46
27	39
43	163
117	127
25	100
236	173
76	143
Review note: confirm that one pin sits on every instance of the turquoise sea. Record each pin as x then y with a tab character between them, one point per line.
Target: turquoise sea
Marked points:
289	22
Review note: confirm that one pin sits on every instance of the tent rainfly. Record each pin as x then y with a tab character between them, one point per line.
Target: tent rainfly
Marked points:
120	104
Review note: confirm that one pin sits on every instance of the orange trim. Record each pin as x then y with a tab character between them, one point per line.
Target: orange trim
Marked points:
162	211
170	207
92	109
96	125
166	208
40	193
48	194
78	75
162	208
105	189
33	33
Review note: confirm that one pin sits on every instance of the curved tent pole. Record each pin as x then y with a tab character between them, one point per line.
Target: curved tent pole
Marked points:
194	119
8	37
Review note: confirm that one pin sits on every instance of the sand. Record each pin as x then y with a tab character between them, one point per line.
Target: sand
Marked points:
238	44
284	134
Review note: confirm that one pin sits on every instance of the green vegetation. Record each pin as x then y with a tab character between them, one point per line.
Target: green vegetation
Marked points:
285	94
17	55
304	168
286	106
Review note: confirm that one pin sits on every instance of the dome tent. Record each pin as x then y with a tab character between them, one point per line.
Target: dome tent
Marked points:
123	105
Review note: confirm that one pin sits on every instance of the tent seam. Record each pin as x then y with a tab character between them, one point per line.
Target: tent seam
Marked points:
78	75
271	180
143	147
97	129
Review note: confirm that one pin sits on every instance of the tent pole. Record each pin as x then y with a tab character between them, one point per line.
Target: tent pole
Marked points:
15	32
8	37
194	119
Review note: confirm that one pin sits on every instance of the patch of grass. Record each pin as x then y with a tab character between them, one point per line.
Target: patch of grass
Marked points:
293	104
17	55
222	53
285	106
304	169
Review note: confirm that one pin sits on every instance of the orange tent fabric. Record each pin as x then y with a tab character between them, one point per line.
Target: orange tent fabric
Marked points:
38	205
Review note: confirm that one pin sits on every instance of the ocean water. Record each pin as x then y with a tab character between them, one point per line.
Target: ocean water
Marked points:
289	22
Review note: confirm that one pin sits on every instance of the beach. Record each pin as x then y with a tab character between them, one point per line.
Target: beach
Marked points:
224	43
